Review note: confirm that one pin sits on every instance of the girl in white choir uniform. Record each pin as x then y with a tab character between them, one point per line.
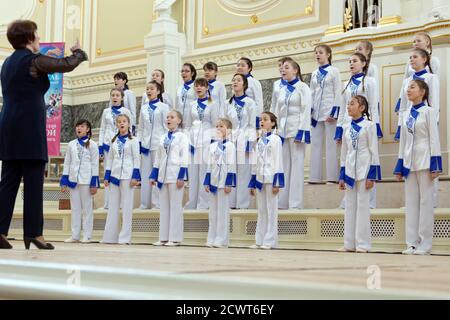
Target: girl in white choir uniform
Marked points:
360	168
122	175
254	91
420	63
129	99
366	48
186	94
80	175
419	162
204	115
241	111
325	88
268	178
108	130
277	85
360	84
217	90
219	179
169	174
158	76
294	112
422	40
151	127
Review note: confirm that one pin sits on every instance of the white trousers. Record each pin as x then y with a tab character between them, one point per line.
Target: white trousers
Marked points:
372	198
317	135
106	191
267	223
240	196
357	232
291	196
149	194
120	197
171	214
219	218
81	201
435	192
419	218
198	197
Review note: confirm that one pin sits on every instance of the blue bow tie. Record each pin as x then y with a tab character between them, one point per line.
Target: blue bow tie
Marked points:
418	106
283	83
249	75
201	104
322	69
187	85
355	78
238	100
417	75
152	105
116	109
82	140
210	82
123	139
290	84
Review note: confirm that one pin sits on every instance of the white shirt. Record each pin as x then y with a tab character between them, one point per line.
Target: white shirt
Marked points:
185	96
326	89
419	147
124	160
359	152
435	66
268	165
294	111
218	94
254	92
221	171
172	158
108	128
204	115
242	114
152	125
129	102
81	164
369	91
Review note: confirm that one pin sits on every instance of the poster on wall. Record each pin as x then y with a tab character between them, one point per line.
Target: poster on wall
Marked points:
53	99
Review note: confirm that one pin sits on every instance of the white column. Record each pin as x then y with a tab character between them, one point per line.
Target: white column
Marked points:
391	12
336	9
165	46
440	9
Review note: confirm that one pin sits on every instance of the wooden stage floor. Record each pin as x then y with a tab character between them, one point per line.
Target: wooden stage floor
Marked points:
414	276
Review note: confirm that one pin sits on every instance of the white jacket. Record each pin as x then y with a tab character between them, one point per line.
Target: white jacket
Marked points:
108	128
294	111
326	89
419	147
185	96
124	160
221	170
403	104
204	115
152	125
242	114
129	102
172	159
369	91
359	152
81	164
435	67
218	95
167	99
277	85
268	165
255	93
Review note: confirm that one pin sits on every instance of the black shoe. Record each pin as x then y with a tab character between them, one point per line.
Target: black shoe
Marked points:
4	244
40	245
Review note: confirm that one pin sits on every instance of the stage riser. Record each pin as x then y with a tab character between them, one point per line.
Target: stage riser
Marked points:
326	196
313	229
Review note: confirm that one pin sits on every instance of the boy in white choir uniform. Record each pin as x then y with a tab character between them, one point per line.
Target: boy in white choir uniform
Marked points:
80	175
294	111
151	128
360	168
170	173
241	111
267	179
254	90
326	97
420	163
108	129
122	175
204	114
186	94
219	179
